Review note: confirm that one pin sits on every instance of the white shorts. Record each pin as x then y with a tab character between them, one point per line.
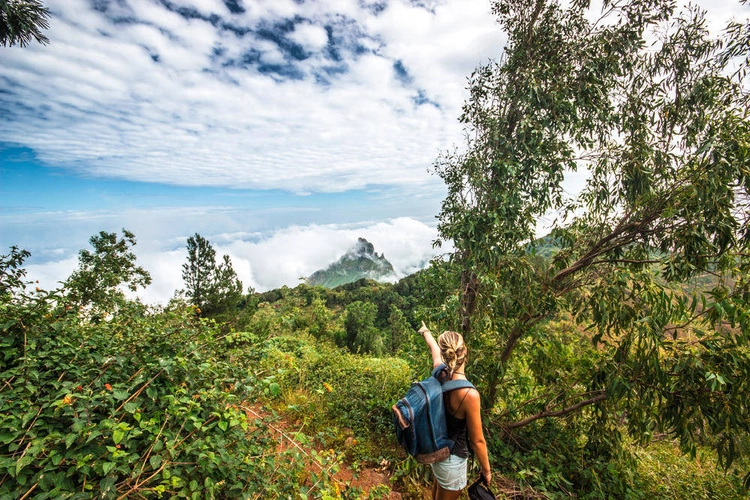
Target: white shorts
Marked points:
451	473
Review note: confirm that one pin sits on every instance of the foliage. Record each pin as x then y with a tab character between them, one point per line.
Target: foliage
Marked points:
339	389
361	335
22	20
736	43
11	273
145	404
101	274
641	100
321	318
545	459
400	328
184	402
212	288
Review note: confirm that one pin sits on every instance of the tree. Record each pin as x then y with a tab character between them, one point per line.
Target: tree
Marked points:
641	100
22	20
361	335
12	275
400	328
102	274
198	272
212	288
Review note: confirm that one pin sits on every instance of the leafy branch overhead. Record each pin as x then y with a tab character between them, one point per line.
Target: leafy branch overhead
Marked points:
21	21
652	256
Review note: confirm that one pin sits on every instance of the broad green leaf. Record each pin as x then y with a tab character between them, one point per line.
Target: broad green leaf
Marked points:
117	435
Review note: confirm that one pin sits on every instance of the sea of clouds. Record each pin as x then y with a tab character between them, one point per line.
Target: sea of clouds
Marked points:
265	261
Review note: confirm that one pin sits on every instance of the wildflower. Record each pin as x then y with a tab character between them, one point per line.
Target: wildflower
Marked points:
68	399
328	386
79	388
108	387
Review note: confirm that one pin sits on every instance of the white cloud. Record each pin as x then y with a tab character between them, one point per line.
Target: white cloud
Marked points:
50	274
296	252
163	98
267	261
310	36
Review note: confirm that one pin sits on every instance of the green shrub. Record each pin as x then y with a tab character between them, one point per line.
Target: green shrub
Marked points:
347	390
144	404
667	473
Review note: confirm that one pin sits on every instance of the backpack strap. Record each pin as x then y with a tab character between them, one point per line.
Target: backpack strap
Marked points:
438	369
451	385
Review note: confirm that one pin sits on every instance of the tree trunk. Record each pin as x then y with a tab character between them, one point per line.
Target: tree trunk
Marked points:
469	290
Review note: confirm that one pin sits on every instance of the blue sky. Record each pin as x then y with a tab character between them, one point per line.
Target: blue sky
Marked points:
281	130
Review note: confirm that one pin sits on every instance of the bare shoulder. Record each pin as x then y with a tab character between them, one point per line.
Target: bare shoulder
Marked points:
472	396
470	399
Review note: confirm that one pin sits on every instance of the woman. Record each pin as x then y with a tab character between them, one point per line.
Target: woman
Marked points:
462	408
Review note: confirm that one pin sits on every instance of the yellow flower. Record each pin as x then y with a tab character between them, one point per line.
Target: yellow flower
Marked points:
68	399
328	386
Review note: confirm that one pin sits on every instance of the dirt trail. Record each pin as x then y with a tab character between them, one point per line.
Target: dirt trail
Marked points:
365	479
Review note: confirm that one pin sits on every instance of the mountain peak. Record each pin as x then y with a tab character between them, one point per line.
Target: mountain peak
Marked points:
362	248
360	261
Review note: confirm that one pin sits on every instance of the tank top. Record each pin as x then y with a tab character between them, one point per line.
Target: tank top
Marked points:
457	431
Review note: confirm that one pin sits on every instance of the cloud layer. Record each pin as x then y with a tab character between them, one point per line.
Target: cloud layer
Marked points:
263	94
271	260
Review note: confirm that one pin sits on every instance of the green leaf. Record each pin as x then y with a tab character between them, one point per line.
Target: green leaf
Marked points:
70	439
107	466
155	461
117	435
274	389
223	425
23	462
7	437
107	487
120	395
8	324
93	435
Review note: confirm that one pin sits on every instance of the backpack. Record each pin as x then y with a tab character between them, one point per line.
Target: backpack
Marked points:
419	418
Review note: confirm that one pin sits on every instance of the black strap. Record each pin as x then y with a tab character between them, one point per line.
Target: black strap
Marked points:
453	413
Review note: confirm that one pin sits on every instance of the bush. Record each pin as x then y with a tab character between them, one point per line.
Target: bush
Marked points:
346	390
141	404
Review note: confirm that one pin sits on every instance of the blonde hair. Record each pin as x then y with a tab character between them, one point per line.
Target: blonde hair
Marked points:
452	350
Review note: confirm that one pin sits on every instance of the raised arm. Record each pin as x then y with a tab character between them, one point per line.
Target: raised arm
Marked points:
432	344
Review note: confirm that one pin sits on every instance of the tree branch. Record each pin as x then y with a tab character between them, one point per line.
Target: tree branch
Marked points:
544	414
